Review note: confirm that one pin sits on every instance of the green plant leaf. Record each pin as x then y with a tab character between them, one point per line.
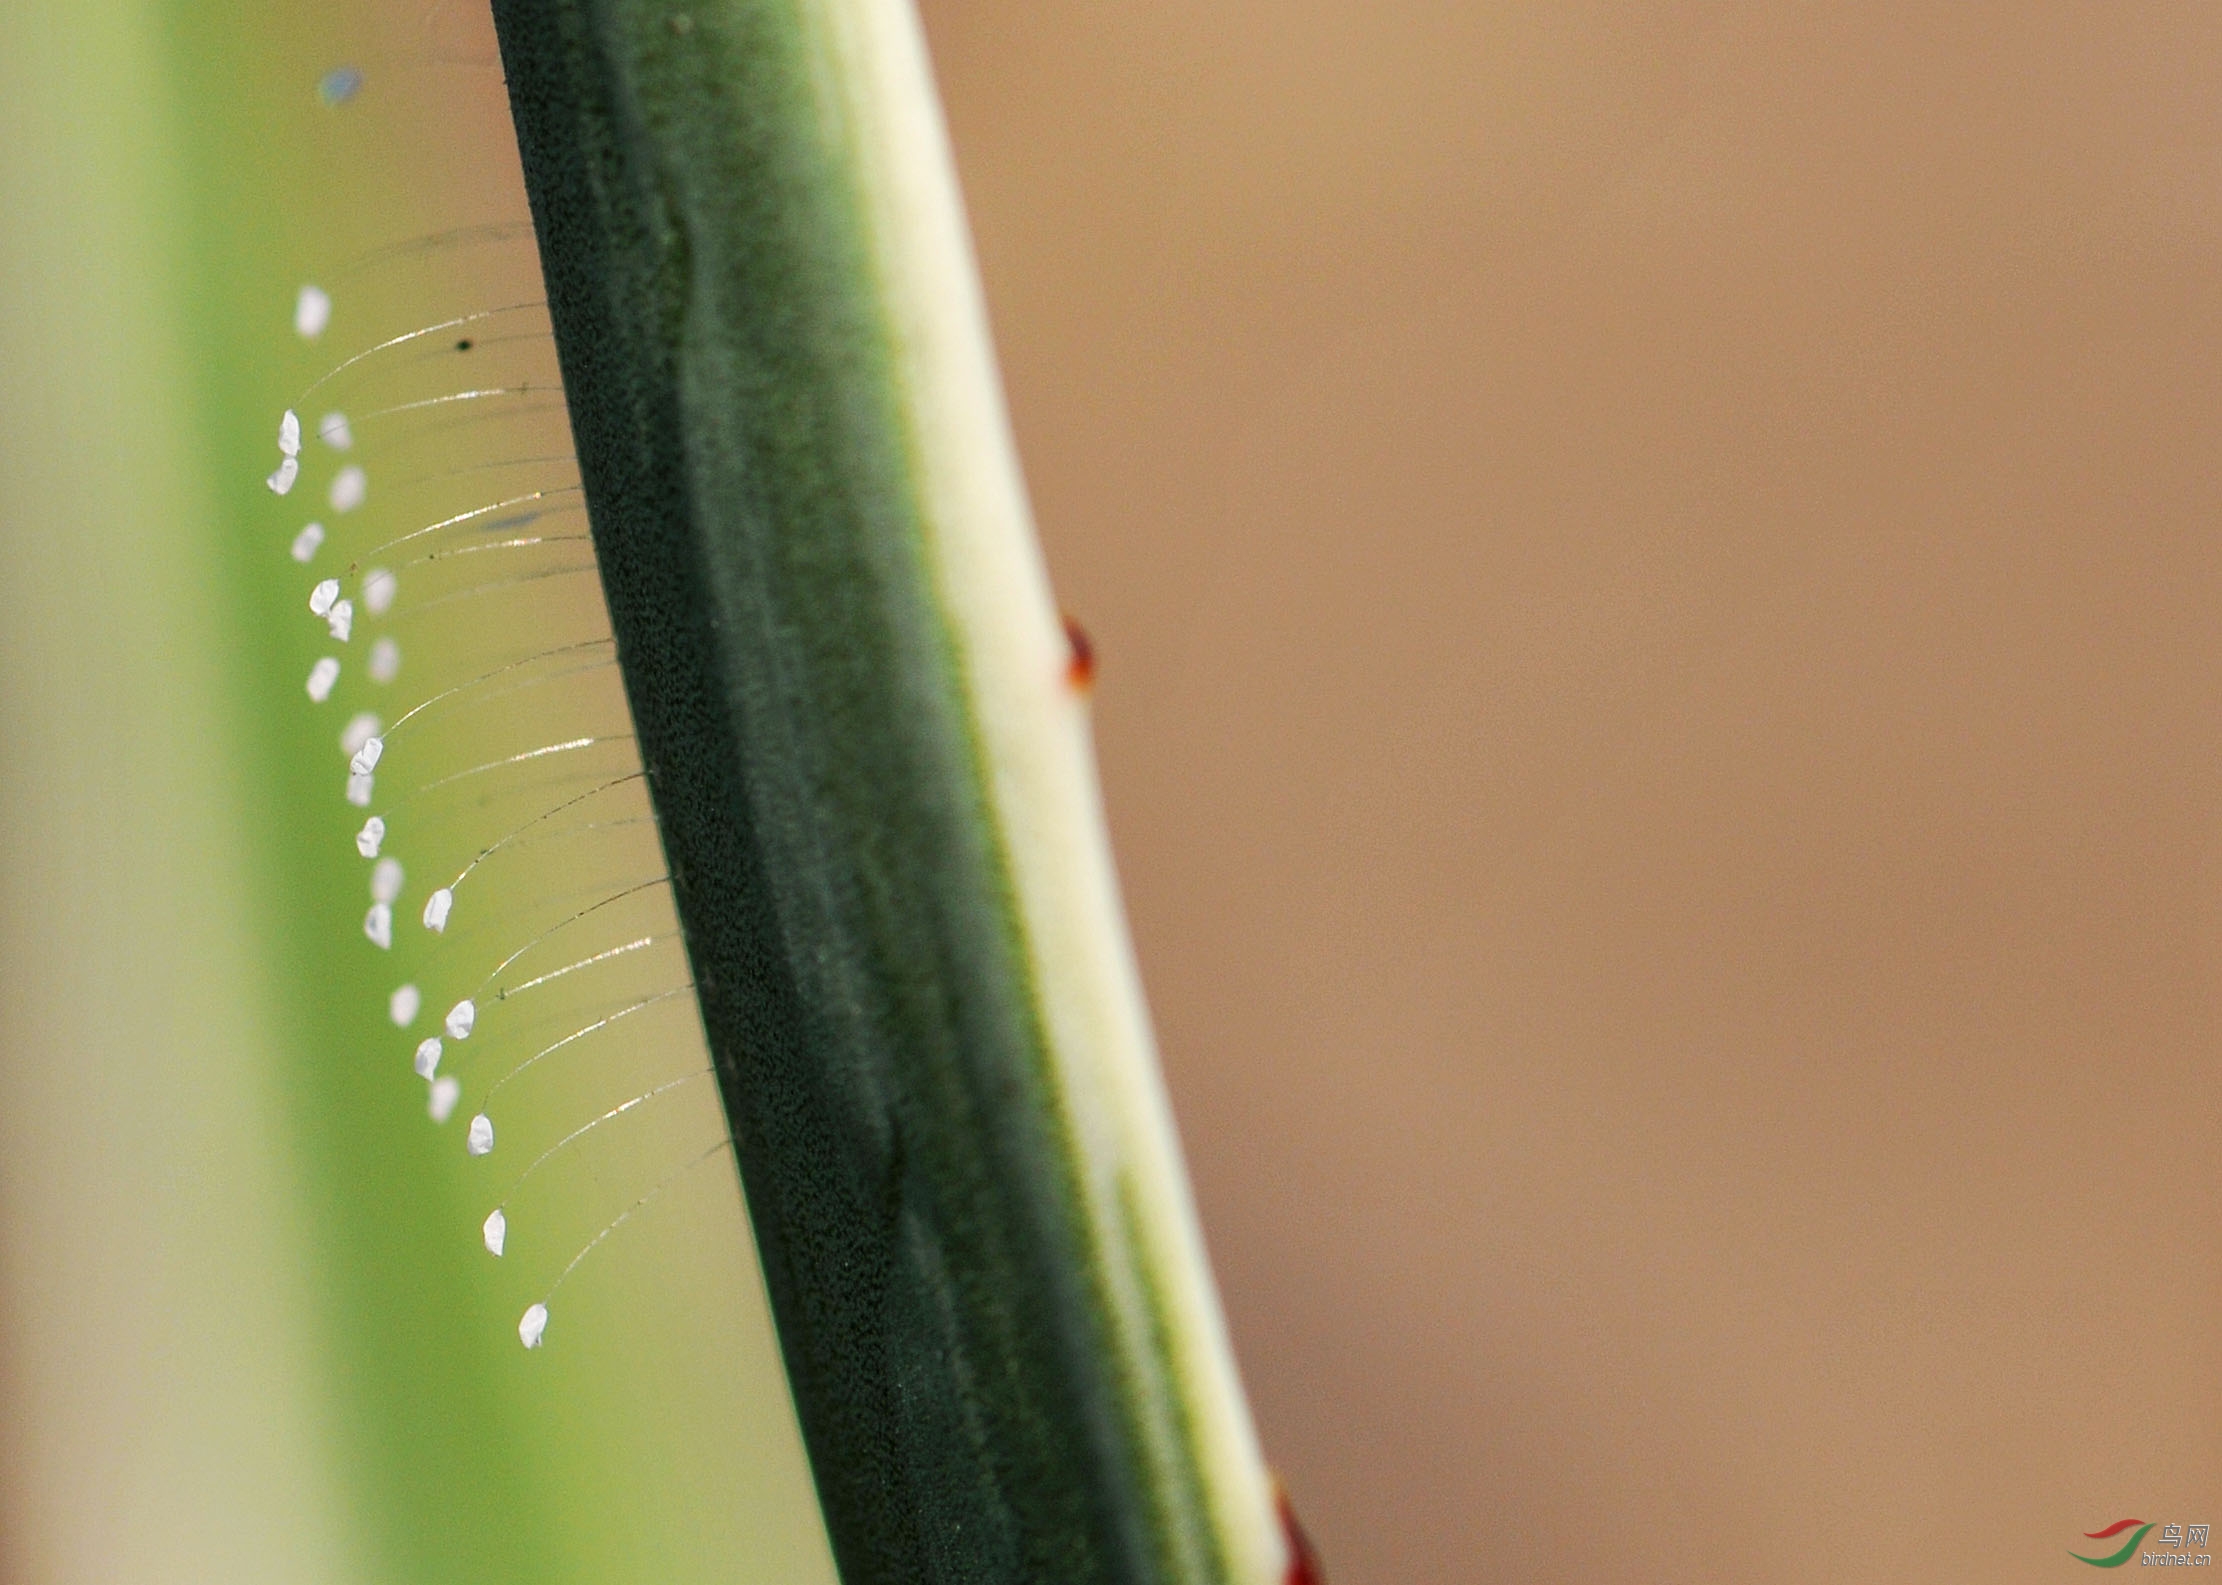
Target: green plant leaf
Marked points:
871	767
261	1335
868	755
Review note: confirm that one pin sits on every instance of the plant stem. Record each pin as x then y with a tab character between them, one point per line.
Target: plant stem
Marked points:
872	774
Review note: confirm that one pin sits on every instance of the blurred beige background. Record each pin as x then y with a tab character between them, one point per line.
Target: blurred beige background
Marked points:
1657	580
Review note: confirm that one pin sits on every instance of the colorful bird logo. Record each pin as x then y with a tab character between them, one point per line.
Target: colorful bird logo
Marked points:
2129	1547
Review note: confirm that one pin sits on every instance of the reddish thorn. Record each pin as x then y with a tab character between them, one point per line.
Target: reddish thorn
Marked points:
1304	1567
1080	669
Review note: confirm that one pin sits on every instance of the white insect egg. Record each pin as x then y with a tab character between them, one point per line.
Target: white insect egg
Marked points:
534	1326
385	880
307	542
371	835
480	1139
323	597
403	1004
378	925
428	1057
289	433
333	430
322	676
342	620
349	487
312	311
436	909
385	661
461	1017
496	1231
367	757
359	791
281	482
360	729
379	588
445	1093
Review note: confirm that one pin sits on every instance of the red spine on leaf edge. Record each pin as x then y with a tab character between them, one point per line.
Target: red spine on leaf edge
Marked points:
1080	669
1304	1567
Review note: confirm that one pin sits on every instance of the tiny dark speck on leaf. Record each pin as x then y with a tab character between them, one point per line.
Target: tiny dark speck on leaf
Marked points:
464	345
339	85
